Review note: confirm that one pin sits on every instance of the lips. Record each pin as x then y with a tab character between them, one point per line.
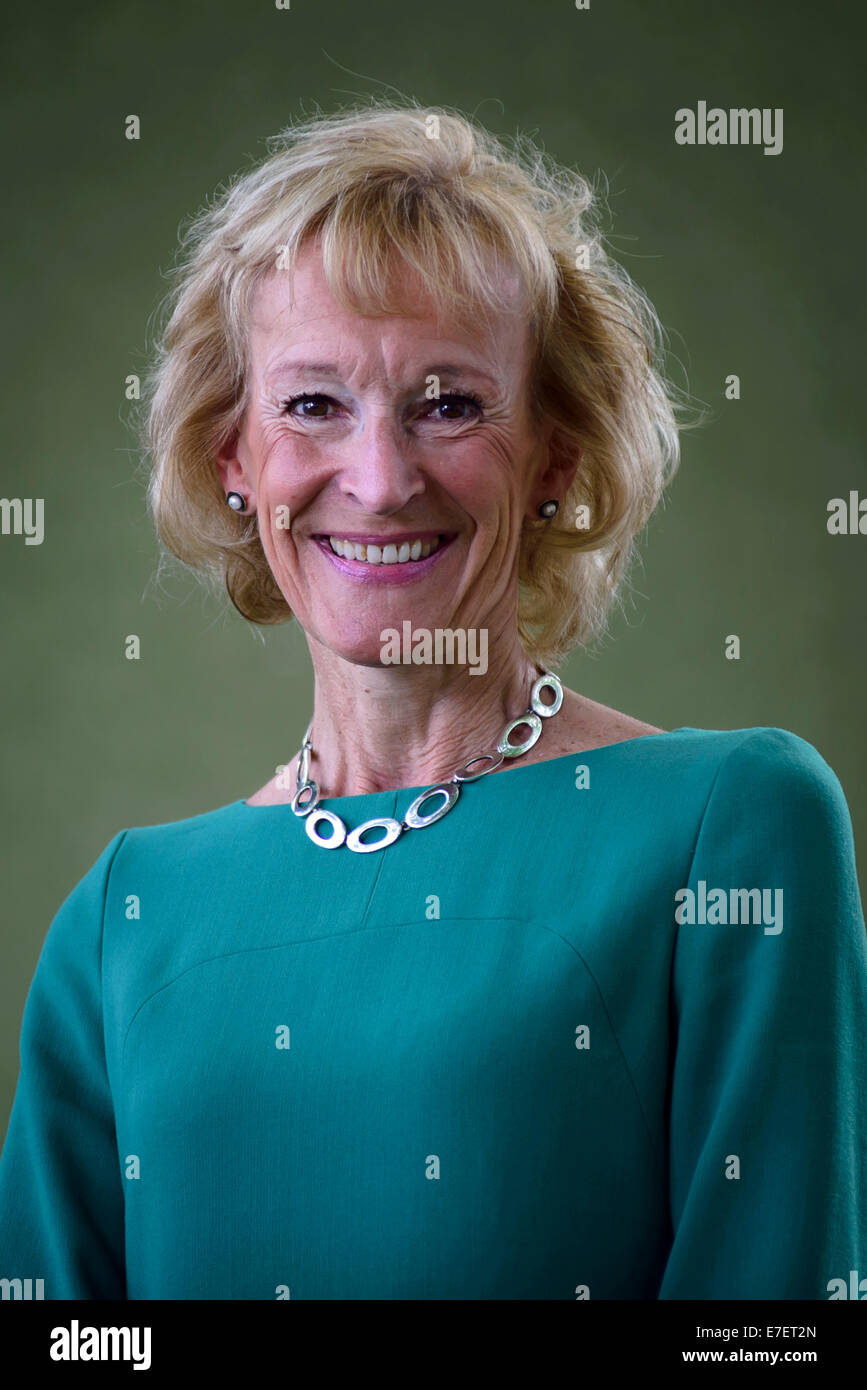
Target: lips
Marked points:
384	559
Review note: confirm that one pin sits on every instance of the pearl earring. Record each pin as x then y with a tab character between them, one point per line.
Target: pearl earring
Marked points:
549	509
236	501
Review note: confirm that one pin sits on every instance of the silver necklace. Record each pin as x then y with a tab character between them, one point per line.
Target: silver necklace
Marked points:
305	802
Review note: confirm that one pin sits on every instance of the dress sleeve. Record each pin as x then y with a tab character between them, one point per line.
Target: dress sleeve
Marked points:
61	1197
768	1086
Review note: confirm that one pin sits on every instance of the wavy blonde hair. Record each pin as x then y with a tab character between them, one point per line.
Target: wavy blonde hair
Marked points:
454	202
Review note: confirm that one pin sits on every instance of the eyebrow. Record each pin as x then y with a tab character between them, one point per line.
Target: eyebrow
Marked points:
289	364
448	369
441	369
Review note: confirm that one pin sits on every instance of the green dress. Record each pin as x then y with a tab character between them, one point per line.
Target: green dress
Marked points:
554	1046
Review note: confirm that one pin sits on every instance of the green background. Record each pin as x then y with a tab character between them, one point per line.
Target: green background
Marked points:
752	261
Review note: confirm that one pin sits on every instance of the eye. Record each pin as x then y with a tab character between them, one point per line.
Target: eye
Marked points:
315	406
460	405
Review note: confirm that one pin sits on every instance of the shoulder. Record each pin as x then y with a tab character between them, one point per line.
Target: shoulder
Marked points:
760	758
774	846
764	758
759	786
73	940
775	801
143	854
183	844
771	764
146	874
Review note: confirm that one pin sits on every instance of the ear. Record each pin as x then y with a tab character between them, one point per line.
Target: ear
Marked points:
556	469
233	475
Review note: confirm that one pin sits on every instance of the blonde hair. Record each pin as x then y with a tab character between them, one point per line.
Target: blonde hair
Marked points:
452	200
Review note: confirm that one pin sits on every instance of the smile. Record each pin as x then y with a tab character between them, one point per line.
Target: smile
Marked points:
381	559
387	553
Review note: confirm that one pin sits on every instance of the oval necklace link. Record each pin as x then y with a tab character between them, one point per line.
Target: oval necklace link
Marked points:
333	841
514	750
537	704
463	775
305	802
414	817
393	829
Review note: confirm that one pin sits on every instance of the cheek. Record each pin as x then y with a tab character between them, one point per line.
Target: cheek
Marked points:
291	472
489	480
280	496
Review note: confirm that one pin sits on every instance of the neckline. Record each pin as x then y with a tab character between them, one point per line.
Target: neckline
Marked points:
330	801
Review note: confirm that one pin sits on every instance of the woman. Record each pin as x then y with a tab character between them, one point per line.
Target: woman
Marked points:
584	1021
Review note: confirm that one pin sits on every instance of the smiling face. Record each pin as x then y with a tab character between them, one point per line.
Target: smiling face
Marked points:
402	505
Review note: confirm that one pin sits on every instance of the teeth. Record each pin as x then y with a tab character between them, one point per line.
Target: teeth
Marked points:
383	554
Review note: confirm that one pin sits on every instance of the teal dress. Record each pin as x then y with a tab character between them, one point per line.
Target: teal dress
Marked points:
600	1032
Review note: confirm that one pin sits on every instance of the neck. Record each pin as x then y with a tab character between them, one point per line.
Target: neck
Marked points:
381	727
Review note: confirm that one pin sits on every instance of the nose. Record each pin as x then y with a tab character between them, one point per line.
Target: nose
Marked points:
379	471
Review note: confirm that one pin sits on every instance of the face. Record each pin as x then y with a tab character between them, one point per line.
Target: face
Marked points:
402	505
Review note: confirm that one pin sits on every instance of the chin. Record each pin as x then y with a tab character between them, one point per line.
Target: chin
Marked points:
367	653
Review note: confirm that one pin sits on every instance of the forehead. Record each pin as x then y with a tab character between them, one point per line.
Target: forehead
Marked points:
297	309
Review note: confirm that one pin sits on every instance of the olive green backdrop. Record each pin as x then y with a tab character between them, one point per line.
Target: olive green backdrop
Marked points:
753	262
